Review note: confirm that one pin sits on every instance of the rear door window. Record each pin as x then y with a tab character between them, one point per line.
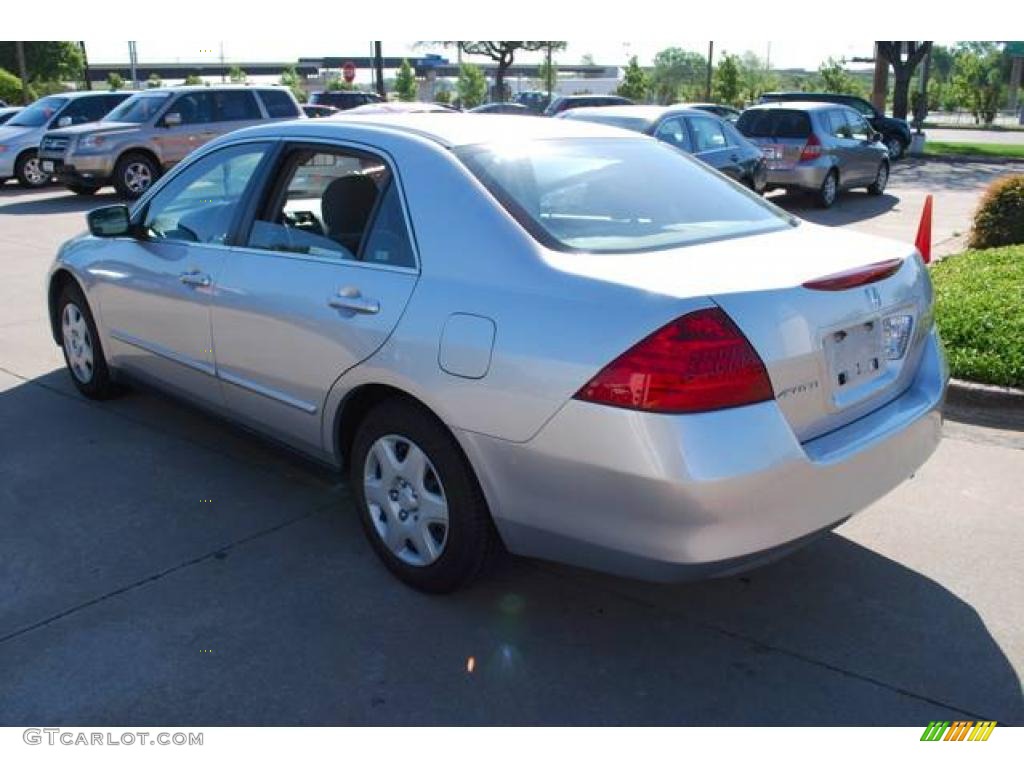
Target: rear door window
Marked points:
672	131
775	123
279	104
236	105
708	134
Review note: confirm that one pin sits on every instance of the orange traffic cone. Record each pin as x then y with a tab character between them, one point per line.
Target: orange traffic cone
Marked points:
924	231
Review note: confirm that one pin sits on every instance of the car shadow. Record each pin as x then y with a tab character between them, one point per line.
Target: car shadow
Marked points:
834	634
852	206
68	202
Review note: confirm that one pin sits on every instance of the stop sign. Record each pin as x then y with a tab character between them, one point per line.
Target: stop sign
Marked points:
348	71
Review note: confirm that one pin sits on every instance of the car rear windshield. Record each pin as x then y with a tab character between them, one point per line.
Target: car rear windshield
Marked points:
138	109
616	195
775	124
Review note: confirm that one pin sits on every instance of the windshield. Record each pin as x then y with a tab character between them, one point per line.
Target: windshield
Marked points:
137	109
616	195
39	112
638	124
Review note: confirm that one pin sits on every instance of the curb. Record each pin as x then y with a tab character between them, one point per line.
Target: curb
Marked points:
999	407
991	159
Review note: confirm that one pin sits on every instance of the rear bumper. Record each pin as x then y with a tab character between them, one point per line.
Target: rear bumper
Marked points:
807	176
666	498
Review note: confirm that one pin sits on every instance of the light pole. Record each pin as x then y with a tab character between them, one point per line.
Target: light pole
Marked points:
707	86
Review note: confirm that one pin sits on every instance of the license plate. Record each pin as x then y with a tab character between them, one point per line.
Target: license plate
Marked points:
771	153
47	166
855	354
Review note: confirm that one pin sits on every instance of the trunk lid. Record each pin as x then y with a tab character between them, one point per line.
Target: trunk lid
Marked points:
824	350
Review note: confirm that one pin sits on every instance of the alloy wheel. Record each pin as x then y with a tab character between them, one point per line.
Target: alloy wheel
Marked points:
895	147
34	172
137	178
405	500
828	189
883	177
77	343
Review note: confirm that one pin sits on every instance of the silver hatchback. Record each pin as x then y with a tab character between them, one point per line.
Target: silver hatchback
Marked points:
566	337
817	148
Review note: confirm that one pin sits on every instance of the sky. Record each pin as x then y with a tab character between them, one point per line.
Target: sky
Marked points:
805	54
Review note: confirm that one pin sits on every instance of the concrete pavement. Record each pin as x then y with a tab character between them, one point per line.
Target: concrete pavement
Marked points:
160	566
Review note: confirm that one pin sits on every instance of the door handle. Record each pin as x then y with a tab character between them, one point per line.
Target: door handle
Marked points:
353	301
195	278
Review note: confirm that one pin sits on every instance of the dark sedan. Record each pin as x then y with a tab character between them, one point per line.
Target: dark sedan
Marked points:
699	133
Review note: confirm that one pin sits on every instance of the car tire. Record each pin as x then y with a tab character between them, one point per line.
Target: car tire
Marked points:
828	192
134	174
81	189
895	146
80	344
881	179
418	499
28	172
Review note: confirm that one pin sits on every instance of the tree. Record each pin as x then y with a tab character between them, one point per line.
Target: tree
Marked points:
503	52
727	79
978	82
291	79
903	57
471	86
835	78
236	74
45	60
337	83
547	75
405	82
636	84
443	95
10	87
193	80
587	59
755	78
115	81
678	75
154	81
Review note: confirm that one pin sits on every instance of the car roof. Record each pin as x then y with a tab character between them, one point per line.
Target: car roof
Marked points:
649	111
218	87
83	94
799	105
451	129
816	95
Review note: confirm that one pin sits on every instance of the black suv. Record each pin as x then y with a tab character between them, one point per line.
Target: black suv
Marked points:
345	99
895	133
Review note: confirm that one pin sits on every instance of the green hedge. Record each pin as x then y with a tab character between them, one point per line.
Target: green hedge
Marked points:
980	313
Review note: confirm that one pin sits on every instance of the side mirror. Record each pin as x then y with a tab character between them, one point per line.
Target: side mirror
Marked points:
172	119
876	137
64	122
109	221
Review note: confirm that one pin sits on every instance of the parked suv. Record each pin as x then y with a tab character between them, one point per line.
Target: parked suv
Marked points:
817	148
562	103
147	134
345	99
895	132
19	136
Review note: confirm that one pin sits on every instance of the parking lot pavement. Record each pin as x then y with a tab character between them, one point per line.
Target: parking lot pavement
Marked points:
160	566
897	212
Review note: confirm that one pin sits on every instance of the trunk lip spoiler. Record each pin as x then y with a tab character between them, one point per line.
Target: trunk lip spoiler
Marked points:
856	276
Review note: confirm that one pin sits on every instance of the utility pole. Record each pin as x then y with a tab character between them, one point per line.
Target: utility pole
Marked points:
707	87
131	63
549	74
23	71
85	66
378	69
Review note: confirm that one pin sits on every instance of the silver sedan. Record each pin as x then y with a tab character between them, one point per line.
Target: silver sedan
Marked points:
549	334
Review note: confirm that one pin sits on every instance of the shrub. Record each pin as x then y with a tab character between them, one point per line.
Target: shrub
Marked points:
999	219
10	87
978	298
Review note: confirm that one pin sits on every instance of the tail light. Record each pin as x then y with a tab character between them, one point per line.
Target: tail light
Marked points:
698	362
812	149
851	278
